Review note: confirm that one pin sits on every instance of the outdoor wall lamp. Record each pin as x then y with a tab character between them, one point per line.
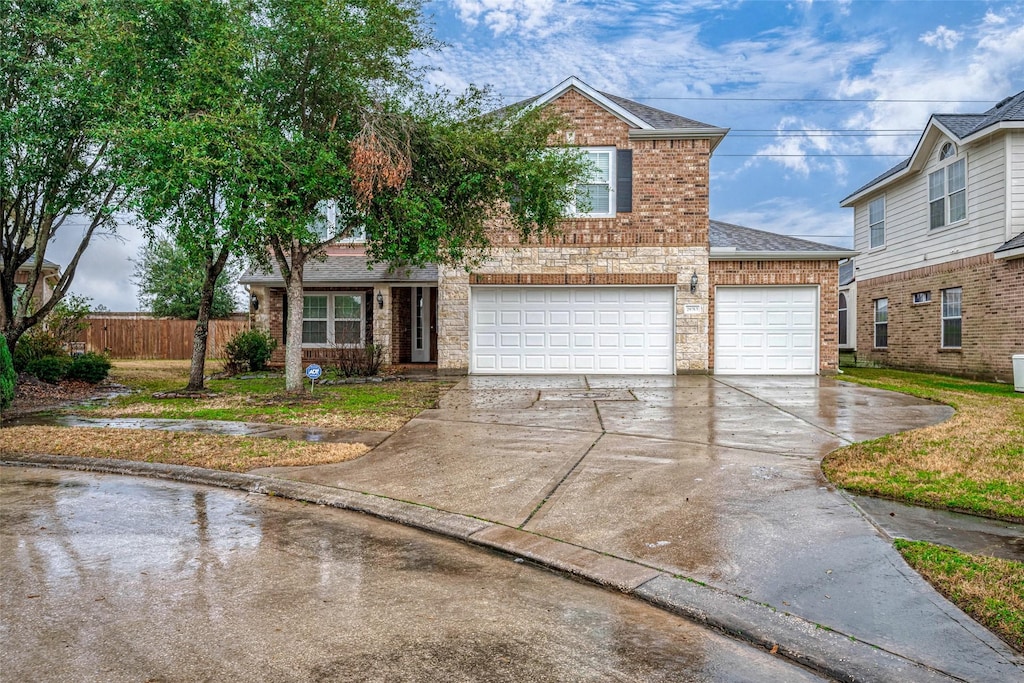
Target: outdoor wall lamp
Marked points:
254	301
693	283
380	300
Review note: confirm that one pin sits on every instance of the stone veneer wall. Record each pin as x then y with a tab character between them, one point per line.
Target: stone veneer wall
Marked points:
992	310
825	274
576	266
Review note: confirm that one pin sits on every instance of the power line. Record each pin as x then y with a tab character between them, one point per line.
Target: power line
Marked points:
902	156
810	99
819	134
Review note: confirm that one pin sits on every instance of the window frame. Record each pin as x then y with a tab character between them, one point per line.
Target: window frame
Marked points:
612	183
871	225
940	190
881	324
959	317
332	319
844	321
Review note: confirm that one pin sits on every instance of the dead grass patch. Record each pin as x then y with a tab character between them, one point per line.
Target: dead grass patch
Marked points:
989	589
973	462
229	453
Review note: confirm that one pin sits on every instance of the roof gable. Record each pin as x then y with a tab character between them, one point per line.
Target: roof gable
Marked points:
1009	112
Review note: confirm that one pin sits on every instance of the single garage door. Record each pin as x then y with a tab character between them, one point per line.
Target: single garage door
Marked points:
766	330
526	330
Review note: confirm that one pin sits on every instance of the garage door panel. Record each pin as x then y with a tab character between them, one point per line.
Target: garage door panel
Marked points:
585	329
766	330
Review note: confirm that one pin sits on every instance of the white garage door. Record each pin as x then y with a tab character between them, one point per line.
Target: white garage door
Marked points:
766	330
571	330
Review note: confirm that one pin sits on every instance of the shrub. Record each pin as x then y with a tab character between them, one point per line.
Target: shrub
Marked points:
364	362
50	369
249	350
89	367
8	376
35	345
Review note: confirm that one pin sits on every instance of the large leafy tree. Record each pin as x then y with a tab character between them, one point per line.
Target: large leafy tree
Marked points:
191	152
170	281
347	125
60	96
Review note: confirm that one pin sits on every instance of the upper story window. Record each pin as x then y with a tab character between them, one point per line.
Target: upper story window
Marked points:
595	198
876	221
947	192
948	150
332	224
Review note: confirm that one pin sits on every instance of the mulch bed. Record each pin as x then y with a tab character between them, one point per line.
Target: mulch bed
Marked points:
32	395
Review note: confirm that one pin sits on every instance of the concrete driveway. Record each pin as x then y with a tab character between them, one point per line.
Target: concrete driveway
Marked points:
714	479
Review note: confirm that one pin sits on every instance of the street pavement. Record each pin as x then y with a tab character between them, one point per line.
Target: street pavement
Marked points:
110	578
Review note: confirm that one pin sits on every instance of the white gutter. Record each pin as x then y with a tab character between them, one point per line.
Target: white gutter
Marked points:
733	254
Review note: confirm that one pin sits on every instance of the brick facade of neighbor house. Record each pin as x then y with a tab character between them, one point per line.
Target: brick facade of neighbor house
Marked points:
823	274
273	300
992	310
662	241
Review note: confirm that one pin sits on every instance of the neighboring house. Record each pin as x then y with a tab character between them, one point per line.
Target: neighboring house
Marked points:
642	283
940	275
49	275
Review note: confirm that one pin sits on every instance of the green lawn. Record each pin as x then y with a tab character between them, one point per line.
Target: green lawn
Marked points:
973	462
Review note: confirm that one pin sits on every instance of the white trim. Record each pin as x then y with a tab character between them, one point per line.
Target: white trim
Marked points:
1008	186
733	254
612	185
1016	252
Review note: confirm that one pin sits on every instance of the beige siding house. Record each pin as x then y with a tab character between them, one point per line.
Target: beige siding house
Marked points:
643	282
940	275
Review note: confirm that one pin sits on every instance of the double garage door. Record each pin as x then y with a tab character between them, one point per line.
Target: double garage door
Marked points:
523	330
551	330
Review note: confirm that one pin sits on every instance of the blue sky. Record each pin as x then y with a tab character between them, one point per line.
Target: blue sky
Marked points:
760	68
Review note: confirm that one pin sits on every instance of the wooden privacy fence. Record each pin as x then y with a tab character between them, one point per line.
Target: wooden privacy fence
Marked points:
141	336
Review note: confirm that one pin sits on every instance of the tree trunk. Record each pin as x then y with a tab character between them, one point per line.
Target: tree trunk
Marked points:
200	337
293	342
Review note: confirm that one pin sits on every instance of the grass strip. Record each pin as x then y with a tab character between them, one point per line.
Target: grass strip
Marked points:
989	589
229	453
973	462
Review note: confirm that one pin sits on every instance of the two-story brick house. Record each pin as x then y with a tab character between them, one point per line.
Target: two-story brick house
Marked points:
643	282
940	275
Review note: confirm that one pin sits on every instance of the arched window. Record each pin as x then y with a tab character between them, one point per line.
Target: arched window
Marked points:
842	320
948	150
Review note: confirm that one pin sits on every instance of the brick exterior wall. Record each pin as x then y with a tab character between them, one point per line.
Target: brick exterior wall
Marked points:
662	241
824	274
273	299
670	186
992	310
401	331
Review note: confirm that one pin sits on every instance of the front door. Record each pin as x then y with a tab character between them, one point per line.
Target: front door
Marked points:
421	324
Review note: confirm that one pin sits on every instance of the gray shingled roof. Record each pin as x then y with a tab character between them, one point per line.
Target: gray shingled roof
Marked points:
1016	243
961	126
343	269
656	117
32	262
659	119
749	239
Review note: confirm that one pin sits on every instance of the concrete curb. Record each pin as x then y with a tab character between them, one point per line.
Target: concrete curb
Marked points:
816	647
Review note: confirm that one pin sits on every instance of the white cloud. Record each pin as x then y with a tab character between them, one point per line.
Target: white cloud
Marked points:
795	217
942	38
538	17
989	71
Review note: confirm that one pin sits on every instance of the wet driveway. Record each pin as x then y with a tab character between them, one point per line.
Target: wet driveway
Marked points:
123	579
715	479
